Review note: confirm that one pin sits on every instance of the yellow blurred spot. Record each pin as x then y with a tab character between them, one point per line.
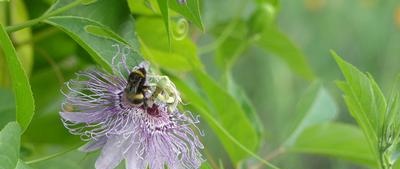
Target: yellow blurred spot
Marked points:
369	3
397	17
314	5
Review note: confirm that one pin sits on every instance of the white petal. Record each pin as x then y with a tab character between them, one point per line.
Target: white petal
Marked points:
131	158
111	154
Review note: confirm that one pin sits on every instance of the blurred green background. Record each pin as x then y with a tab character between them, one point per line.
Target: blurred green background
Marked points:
278	53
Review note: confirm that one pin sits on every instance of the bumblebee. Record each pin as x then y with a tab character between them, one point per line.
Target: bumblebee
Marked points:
138	93
135	90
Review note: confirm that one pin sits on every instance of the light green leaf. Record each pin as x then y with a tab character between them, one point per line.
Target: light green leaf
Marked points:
274	41
364	100
232	117
181	55
190	10
9	145
316	107
336	140
22	90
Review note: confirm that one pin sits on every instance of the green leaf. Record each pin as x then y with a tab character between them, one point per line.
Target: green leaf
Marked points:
22	165
236	92
205	165
9	145
190	10
231	115
336	140
316	107
364	100
7	107
98	45
274	41
22	90
236	133
181	55
97	34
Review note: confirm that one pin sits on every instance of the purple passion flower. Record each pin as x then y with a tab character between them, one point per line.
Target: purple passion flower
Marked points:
131	115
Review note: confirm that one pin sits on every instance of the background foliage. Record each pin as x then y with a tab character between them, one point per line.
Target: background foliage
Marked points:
258	72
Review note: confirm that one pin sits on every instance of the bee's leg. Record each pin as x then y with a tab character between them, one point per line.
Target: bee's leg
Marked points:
150	100
156	93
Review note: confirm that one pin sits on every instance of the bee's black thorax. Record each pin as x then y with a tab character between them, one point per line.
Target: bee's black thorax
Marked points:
135	89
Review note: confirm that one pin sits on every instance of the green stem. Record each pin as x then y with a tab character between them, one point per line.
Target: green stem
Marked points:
228	30
221	39
53	155
32	22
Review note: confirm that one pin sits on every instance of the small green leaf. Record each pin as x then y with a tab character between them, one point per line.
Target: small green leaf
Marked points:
336	140
364	100
274	41
190	10
9	145
24	99
315	108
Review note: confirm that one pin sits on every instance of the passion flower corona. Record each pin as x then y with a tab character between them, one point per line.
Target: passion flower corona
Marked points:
132	115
